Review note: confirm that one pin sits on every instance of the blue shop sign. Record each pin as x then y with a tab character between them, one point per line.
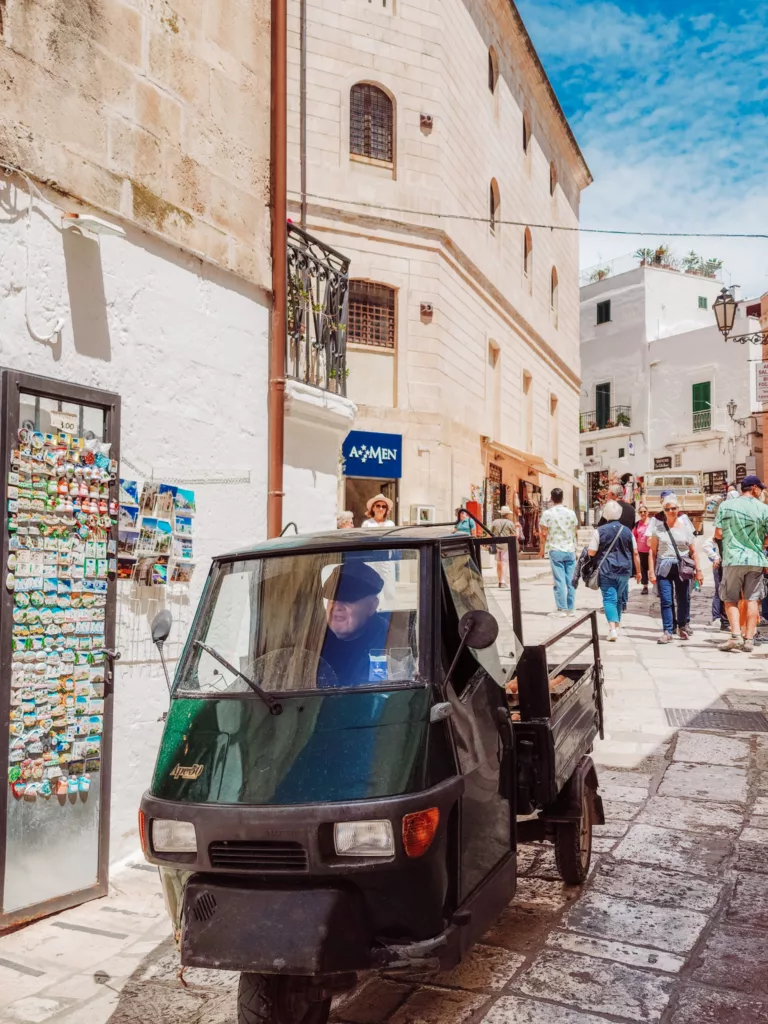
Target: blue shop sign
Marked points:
376	455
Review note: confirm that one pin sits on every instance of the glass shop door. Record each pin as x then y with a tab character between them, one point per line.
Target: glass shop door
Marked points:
59	491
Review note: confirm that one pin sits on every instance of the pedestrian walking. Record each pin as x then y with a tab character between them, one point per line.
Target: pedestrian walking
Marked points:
628	514
503	526
714	551
641	529
742	524
614	549
379	508
674	563
558	533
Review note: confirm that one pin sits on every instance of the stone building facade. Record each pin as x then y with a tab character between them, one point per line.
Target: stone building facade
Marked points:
151	121
429	128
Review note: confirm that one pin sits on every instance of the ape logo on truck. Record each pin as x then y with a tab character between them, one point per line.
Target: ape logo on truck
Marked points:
187	771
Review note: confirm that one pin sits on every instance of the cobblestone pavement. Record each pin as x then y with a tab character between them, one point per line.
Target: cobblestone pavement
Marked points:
672	925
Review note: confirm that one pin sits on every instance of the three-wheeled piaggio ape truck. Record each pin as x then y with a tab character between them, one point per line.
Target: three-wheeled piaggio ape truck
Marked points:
349	763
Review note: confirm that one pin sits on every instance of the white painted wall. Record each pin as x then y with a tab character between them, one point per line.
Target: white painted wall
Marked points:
185	346
657	344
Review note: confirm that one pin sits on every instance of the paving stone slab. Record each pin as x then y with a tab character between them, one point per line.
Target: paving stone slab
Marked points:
486	967
626	793
438	1006
734	959
152	1001
757	822
619	952
537	907
709	748
755	837
674	930
752	857
748	904
619	810
761	806
691	815
696	1005
719	782
514	1010
680	851
654	885
373	1001
596	985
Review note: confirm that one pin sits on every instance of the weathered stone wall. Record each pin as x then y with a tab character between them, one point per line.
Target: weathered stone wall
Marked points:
155	111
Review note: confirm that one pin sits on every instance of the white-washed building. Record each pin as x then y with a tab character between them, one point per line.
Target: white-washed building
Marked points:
661	389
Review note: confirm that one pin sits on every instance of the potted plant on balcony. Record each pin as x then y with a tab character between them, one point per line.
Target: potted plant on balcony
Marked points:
645	256
599	274
609	424
622	419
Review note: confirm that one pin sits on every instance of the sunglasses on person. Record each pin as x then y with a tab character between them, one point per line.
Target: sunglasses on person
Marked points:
671	508
381	505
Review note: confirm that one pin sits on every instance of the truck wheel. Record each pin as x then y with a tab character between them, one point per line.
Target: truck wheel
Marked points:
270	999
573	844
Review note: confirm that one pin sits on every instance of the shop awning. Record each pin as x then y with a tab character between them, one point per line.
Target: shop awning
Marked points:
536	462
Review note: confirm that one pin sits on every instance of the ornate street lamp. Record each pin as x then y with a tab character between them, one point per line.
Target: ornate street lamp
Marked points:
724	308
731	407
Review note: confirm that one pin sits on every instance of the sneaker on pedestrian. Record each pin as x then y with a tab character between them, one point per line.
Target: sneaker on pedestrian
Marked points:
644	590
571	614
725	626
613	635
665	638
733	643
684	634
559	614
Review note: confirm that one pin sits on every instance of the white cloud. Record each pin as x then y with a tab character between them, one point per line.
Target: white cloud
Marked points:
669	110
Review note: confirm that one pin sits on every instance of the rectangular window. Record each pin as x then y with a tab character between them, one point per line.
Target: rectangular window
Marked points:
604	311
590	451
702	405
621	453
371	316
602	404
702	302
678	461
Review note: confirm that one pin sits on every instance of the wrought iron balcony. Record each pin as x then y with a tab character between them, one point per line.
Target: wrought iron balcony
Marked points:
605	419
702	419
316	323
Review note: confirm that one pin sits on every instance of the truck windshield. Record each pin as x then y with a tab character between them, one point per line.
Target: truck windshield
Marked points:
307	622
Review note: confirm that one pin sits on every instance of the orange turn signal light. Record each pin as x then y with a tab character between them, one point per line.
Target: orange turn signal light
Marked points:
419	830
143	831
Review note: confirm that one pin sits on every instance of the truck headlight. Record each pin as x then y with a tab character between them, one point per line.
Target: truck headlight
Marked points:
173	836
364	839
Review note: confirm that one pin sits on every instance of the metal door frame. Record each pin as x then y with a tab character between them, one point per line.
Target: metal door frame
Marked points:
12	383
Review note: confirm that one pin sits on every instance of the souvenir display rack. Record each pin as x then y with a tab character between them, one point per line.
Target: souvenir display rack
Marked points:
57	619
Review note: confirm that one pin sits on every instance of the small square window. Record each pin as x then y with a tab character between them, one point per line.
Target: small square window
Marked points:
703	304
590	451
604	311
621	453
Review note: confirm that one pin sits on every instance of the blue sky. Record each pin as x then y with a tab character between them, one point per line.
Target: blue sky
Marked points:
669	102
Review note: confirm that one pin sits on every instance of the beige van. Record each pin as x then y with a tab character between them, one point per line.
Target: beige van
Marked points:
689	489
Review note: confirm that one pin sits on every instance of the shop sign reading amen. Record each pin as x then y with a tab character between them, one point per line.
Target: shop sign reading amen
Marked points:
187	771
370	454
380	455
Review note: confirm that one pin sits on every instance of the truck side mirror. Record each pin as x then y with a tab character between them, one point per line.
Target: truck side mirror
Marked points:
161	627
477	629
161	630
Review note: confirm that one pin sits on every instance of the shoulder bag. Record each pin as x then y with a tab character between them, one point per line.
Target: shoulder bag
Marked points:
685	564
594	580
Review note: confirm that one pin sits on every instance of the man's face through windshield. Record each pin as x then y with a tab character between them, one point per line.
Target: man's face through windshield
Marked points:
347	618
352	591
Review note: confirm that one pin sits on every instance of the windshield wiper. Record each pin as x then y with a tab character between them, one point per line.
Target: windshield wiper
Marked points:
275	707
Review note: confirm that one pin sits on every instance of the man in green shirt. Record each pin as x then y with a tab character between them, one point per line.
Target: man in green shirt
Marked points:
742	523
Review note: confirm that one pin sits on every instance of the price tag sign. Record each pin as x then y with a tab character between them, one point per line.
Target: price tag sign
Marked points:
66	422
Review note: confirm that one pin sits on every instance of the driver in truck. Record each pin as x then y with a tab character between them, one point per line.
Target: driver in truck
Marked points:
355	626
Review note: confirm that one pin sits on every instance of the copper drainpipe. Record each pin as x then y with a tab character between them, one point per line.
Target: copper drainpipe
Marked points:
278	210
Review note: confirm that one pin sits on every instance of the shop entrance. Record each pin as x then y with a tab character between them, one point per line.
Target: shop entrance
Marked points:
359	490
59	490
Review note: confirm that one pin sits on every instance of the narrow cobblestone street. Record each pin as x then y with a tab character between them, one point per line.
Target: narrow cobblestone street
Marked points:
670	928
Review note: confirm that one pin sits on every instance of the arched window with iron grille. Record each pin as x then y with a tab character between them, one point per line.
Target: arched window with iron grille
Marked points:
371	123
371	317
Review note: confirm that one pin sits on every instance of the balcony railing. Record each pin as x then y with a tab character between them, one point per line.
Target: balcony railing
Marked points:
604	419
316	327
702	420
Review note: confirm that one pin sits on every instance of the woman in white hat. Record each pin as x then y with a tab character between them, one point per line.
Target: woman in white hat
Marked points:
378	508
503	526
